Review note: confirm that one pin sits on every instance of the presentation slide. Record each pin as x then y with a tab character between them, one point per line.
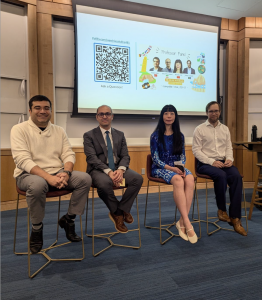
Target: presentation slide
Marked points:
138	67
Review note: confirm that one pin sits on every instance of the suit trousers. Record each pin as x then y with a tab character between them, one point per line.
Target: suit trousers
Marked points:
36	188
223	177
104	185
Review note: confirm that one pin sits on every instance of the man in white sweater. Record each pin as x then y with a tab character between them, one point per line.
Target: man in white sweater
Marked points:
44	161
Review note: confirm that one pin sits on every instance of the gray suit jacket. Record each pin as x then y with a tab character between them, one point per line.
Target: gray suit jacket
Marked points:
96	150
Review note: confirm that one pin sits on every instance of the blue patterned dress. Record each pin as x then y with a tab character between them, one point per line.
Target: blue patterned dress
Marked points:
161	157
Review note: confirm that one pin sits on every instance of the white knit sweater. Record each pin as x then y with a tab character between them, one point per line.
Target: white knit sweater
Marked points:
48	149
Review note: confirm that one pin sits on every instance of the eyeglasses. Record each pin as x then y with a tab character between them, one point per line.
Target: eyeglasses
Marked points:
213	111
101	115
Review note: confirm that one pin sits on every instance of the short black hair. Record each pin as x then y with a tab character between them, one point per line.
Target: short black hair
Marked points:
156	58
104	105
188	61
38	98
212	103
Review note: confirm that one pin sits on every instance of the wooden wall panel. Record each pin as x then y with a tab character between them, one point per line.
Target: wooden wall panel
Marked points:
67	2
233	25
241	24
253	33
8	183
32	51
54	9
259	22
242	92
231	87
80	164
245	164
250	22
224	23
45	57
229	35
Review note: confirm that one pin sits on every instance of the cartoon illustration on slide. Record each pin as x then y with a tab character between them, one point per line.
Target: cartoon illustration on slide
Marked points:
199	84
201	69
145	84
145	77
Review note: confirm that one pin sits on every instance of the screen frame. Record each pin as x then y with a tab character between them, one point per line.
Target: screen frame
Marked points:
151	11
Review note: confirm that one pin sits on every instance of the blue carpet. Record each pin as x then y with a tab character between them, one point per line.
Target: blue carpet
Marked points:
222	266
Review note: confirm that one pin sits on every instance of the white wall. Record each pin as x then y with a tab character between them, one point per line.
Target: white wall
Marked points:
255	88
13	68
63	38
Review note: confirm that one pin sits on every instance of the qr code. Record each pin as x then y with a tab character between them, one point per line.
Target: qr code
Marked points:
112	63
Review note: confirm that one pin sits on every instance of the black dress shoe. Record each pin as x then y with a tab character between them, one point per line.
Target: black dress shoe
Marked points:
69	228
36	240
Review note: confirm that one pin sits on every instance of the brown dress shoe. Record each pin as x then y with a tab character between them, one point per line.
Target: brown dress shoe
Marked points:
238	226
128	218
223	216
119	222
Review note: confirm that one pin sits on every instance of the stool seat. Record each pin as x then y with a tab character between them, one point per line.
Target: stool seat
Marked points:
51	194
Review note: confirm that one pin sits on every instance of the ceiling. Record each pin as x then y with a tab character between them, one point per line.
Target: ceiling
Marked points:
230	9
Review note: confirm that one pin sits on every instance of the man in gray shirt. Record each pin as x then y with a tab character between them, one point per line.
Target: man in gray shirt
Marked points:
168	66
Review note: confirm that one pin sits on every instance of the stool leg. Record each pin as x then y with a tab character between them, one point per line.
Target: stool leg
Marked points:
58	217
28	240
93	223
193	208
245	204
146	203
207	206
138	223
198	213
16	216
160	228
253	195
86	215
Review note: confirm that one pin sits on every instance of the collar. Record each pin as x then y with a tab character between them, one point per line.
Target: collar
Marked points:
31	123
104	131
208	124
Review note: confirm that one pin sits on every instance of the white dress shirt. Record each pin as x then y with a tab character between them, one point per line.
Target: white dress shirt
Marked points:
212	143
111	139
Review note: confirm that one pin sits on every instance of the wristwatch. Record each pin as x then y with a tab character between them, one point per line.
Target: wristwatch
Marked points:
68	173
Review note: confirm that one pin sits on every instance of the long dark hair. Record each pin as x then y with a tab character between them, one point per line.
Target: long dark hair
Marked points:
175	69
161	128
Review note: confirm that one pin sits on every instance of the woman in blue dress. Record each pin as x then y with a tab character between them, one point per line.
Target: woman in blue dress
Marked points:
167	147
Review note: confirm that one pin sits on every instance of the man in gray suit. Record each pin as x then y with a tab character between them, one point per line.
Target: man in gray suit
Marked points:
108	163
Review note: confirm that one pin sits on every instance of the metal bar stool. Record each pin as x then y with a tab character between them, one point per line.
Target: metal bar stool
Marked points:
108	235
207	221
257	188
165	227
43	252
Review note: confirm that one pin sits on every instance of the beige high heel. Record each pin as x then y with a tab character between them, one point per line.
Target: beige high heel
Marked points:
192	239
180	232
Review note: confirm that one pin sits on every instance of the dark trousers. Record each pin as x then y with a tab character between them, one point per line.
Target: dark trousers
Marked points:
104	185
222	178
